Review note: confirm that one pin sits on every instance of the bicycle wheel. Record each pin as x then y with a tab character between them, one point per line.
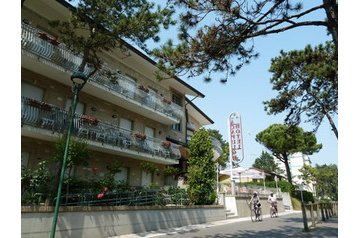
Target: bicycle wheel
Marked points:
259	214
253	215
272	212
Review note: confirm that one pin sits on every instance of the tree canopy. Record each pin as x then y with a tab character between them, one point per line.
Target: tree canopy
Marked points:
283	140
325	179
307	83
212	34
98	26
201	171
267	163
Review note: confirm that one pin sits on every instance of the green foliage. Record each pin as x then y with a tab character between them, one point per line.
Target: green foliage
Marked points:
283	140
307	196
35	184
78	153
325	179
149	167
267	163
178	196
227	44
307	83
170	170
105	23
201	172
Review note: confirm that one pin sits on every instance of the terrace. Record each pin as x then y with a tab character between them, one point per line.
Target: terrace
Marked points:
46	121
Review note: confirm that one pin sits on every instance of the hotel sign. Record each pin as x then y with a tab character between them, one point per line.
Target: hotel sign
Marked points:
235	138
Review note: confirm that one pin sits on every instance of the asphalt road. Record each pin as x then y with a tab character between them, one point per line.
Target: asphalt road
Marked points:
289	225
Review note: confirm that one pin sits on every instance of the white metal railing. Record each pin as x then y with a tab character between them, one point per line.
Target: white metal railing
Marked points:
44	46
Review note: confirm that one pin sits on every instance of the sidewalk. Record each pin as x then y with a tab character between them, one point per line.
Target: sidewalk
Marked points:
324	229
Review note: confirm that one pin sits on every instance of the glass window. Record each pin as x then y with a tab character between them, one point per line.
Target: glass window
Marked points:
177	99
176	127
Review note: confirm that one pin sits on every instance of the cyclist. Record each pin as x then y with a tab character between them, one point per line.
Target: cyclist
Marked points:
256	201
273	201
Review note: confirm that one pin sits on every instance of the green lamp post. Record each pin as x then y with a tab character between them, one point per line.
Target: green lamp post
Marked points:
78	79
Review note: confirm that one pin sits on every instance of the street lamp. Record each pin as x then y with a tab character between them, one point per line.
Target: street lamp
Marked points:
78	79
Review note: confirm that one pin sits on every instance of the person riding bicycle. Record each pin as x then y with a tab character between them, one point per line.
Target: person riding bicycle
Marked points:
256	201
273	201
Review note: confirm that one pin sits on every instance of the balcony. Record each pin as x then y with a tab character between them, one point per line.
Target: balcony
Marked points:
48	122
107	83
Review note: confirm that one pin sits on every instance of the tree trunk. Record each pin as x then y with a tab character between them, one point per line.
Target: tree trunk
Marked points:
331	122
288	170
331	8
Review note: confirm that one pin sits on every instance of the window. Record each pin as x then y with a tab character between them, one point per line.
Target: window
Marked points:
24	159
125	124
80	107
176	127
177	99
122	176
31	91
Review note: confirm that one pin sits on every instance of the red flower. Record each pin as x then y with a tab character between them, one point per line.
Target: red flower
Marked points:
100	195
94	169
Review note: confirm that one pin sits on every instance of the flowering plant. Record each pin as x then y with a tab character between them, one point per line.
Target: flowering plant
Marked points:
50	39
167	101
140	136
41	105
89	119
166	144
143	88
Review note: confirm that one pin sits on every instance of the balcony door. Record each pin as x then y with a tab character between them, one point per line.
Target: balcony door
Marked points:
30	91
149	132
146	178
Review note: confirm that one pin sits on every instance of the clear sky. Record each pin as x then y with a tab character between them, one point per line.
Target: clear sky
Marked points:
251	86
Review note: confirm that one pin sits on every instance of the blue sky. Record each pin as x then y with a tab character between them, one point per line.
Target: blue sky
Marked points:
251	86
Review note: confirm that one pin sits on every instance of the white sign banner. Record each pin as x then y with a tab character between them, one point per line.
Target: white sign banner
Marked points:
235	138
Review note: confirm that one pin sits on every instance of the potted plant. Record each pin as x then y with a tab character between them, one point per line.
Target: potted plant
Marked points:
89	119
166	144
167	101
143	88
140	136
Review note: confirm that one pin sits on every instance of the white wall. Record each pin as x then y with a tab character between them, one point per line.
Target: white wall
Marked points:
99	222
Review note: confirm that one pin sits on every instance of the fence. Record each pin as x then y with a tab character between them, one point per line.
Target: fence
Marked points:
317	212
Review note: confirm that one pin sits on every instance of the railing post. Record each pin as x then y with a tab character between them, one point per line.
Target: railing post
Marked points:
322	212
312	214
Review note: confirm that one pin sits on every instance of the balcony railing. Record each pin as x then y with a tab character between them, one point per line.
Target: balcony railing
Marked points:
42	45
42	115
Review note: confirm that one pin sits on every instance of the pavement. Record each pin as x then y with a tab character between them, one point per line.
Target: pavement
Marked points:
324	229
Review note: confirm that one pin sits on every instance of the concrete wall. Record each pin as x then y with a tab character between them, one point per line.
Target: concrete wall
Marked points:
96	222
238	205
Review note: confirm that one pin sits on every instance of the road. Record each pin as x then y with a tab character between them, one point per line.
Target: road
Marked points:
289	225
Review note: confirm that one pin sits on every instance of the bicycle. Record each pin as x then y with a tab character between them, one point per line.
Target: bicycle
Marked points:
256	213
273	210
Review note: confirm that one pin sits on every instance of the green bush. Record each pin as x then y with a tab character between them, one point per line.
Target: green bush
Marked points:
307	196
